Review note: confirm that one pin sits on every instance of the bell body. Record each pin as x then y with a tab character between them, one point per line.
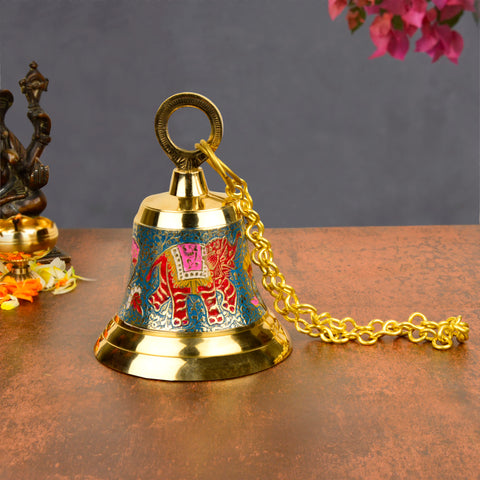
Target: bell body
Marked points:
191	309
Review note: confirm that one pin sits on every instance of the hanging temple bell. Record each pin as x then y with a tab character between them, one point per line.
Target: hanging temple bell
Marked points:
191	310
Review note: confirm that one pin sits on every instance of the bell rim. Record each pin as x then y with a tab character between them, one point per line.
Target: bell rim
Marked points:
268	345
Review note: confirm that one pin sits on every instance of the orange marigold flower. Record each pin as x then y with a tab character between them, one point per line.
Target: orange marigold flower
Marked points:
25	290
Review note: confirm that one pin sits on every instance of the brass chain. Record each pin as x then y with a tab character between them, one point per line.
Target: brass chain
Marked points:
304	316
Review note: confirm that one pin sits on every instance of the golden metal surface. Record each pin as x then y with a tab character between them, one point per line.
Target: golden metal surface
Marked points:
189	205
323	325
188	184
187	159
23	239
26	234
192	356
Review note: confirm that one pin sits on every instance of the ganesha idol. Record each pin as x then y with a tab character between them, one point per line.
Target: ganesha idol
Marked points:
191	309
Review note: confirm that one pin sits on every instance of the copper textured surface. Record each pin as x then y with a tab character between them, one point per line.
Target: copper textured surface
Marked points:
393	410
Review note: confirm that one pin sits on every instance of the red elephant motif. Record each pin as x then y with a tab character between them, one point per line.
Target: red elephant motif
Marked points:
195	269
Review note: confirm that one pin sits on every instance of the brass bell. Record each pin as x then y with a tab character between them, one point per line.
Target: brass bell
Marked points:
191	310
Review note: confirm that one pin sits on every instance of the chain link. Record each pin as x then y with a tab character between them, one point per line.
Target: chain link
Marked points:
304	316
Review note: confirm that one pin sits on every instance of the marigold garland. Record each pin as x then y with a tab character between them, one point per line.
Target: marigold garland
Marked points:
53	277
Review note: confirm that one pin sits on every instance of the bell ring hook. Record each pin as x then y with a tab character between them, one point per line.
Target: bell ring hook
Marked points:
187	159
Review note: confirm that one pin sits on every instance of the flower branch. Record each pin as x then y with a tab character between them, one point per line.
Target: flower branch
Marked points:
395	22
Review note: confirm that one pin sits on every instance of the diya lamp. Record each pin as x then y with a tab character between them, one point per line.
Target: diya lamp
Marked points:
23	239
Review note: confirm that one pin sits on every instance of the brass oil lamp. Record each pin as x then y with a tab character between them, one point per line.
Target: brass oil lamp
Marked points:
23	239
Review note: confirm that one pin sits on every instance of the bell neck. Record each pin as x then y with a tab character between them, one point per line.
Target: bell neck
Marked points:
188	183
188	204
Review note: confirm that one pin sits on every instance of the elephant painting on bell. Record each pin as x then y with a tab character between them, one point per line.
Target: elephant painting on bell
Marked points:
195	269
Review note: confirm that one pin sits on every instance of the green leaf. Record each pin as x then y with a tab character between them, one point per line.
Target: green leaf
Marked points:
362	14
353	30
397	22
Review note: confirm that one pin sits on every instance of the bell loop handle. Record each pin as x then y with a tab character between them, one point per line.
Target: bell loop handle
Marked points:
182	158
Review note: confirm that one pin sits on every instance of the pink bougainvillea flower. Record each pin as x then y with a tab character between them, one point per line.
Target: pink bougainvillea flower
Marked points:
468	5
453	7
439	3
372	9
396	21
449	11
438	40
397	7
399	44
387	39
415	14
380	33
336	7
429	39
431	15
